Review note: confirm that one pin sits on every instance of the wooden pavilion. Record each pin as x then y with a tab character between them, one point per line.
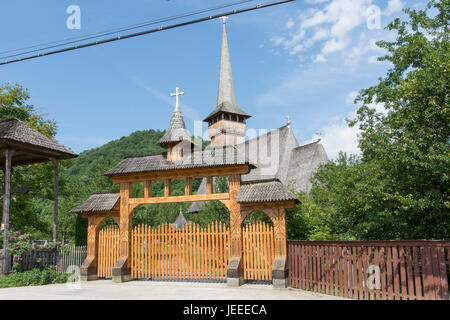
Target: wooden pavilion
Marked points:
22	145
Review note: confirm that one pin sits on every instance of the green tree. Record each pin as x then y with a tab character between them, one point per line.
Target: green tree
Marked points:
398	188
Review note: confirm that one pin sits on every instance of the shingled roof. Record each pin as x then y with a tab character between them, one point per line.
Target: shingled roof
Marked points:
98	202
32	146
177	129
264	191
211	157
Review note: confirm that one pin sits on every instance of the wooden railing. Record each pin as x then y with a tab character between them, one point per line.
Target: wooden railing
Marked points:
393	270
187	253
258	251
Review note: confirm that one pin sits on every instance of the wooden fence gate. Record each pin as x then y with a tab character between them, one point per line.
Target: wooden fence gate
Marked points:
187	253
258	251
108	251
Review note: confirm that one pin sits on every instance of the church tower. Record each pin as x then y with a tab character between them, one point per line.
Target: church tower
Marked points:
227	123
176	139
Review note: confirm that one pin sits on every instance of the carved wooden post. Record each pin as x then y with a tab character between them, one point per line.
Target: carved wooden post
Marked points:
234	269
55	201
279	270
121	270
88	270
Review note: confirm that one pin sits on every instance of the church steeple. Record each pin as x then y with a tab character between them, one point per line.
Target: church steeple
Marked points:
176	136
233	130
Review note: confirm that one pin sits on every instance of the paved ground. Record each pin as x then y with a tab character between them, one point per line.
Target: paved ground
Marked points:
154	290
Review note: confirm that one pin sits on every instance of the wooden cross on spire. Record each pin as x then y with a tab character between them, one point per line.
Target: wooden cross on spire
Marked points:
176	94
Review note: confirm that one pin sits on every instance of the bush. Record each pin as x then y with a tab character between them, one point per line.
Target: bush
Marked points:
35	277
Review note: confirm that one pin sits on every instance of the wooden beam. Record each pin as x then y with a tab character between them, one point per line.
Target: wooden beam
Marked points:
182	173
209	185
167	187
55	201
6	204
188	186
148	189
191	198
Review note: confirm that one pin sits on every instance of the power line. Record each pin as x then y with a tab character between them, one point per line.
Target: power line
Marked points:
147	31
116	30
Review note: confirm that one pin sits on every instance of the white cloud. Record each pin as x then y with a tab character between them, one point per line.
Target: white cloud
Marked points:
330	27
393	6
338	137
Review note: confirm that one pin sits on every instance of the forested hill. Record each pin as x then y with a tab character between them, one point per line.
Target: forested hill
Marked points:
91	164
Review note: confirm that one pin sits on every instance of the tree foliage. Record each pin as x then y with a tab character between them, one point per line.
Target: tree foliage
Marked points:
398	188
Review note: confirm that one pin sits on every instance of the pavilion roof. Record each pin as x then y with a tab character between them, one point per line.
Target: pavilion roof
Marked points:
98	202
30	145
264	191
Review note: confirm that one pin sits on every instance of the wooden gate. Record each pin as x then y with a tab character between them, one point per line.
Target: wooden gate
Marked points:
187	253
259	252
108	251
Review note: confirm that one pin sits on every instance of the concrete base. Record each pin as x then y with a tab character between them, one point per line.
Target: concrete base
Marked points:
88	269
121	272
280	273
280	283
235	282
234	272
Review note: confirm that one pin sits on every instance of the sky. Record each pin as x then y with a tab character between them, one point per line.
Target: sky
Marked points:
306	59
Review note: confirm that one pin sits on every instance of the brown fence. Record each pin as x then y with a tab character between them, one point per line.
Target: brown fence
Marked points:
393	270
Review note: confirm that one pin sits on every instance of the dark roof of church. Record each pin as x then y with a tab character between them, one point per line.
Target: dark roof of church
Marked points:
177	130
264	191
293	167
97	202
34	146
211	157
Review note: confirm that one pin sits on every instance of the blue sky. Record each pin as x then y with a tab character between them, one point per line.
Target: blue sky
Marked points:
305	59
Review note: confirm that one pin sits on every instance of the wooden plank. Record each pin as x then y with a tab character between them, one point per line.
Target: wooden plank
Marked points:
396	267
188	186
404	290
176	199
147	189
443	287
409	276
435	271
223	170
382	260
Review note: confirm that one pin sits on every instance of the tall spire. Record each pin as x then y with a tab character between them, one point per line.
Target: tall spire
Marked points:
225	92
226	100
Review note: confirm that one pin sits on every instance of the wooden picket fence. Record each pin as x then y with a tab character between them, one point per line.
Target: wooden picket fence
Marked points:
392	270
108	250
187	253
258	251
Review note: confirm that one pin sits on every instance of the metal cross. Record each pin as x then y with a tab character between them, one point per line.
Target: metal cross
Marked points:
176	94
224	19
288	118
